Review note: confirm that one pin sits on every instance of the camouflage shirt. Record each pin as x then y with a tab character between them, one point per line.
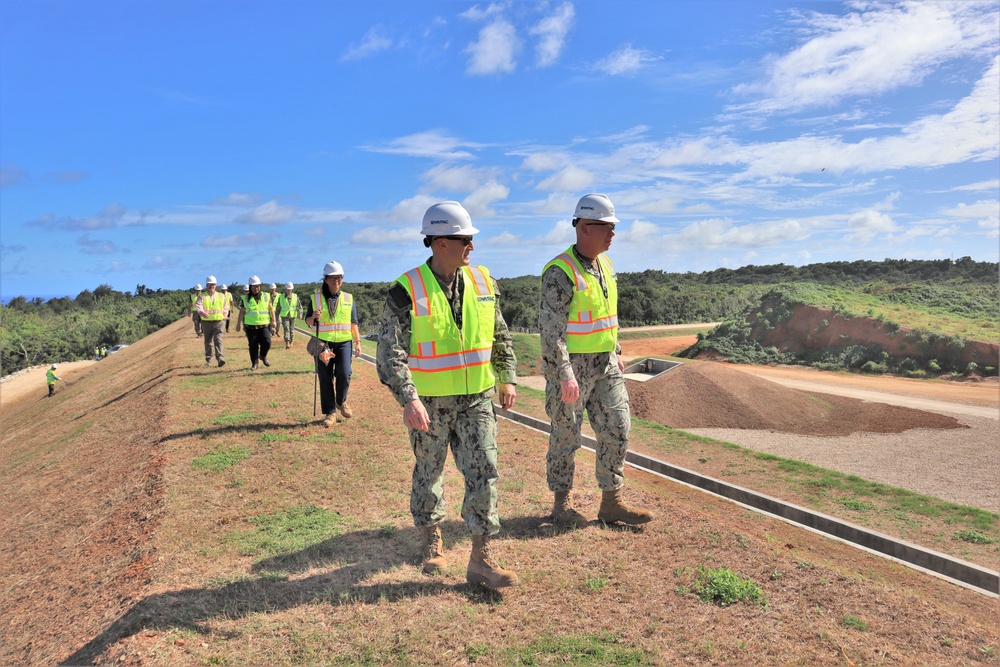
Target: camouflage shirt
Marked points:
394	339
553	316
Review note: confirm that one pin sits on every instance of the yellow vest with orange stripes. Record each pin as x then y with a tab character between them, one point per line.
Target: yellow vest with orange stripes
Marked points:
593	317
444	360
335	328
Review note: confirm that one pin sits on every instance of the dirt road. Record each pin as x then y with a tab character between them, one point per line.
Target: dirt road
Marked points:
32	382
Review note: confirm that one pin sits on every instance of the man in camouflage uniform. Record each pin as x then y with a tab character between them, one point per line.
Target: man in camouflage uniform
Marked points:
443	347
578	319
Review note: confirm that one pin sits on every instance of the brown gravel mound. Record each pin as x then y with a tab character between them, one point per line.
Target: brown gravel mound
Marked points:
709	395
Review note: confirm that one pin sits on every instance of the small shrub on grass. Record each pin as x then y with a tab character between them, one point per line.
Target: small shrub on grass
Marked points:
220	459
857	505
850	621
596	583
973	536
724	587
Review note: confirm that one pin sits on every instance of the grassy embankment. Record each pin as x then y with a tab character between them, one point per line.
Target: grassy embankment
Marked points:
280	542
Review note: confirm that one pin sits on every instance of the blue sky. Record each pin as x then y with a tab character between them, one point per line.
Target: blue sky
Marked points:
158	142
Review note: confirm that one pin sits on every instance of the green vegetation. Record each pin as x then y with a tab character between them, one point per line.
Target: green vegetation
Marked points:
723	587
594	649
973	536
291	530
220	459
850	621
528	350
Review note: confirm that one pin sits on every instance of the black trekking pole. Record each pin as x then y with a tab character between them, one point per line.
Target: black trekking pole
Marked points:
316	374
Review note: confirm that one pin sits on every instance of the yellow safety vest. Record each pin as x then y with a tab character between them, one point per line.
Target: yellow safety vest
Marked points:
257	312
214	307
229	301
445	361
593	319
288	307
335	328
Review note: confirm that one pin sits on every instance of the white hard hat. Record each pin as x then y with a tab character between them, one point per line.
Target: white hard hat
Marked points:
596	207
273	286
210	280
332	269
289	286
223	287
447	218
53	366
197	287
254	280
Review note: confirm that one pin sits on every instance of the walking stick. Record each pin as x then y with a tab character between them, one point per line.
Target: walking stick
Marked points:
316	374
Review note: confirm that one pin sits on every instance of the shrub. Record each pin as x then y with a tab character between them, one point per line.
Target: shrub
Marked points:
724	587
874	367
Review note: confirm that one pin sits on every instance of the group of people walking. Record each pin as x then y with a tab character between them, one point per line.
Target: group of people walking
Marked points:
445	353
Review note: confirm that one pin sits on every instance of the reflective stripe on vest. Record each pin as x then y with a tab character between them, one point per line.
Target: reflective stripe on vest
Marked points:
443	360
257	312
336	328
592	324
214	307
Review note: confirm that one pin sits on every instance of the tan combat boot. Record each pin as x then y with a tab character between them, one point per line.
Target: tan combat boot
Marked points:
564	514
613	510
330	419
346	411
483	569
434	560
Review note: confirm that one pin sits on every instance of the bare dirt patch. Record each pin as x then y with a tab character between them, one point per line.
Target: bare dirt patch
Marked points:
714	395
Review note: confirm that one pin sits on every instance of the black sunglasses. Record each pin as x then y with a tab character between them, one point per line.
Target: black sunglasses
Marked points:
466	240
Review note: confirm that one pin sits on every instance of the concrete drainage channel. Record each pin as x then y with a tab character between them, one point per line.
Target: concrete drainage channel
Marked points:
964	574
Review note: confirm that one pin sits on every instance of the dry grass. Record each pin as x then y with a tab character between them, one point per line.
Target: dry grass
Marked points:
216	592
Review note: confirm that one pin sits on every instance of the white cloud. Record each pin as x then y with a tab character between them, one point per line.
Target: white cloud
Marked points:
496	50
315	231
991	226
568	179
160	262
558	203
96	246
717	233
479	200
374	41
388	235
982	186
268	213
641	231
431	144
477	13
551	32
980	209
880	48
561	234
108	218
543	161
11	175
625	60
412	210
457	179
507	239
868	224
237	199
238	240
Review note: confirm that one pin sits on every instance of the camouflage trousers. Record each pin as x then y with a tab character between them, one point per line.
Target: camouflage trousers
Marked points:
468	425
288	324
603	396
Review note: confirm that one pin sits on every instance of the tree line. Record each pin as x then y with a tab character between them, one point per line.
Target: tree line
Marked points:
36	331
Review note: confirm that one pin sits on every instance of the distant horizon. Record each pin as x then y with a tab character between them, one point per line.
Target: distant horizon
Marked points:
6	298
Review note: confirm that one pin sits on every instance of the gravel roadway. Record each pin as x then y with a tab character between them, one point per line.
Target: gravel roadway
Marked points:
959	465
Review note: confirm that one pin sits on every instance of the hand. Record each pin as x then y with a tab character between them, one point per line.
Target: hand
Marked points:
621	364
237	327
357	348
508	394
415	416
569	390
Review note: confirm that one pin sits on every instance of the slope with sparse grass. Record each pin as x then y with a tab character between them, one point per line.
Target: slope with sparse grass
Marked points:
266	539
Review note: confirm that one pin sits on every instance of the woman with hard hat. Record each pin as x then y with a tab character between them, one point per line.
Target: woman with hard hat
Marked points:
257	315
332	314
